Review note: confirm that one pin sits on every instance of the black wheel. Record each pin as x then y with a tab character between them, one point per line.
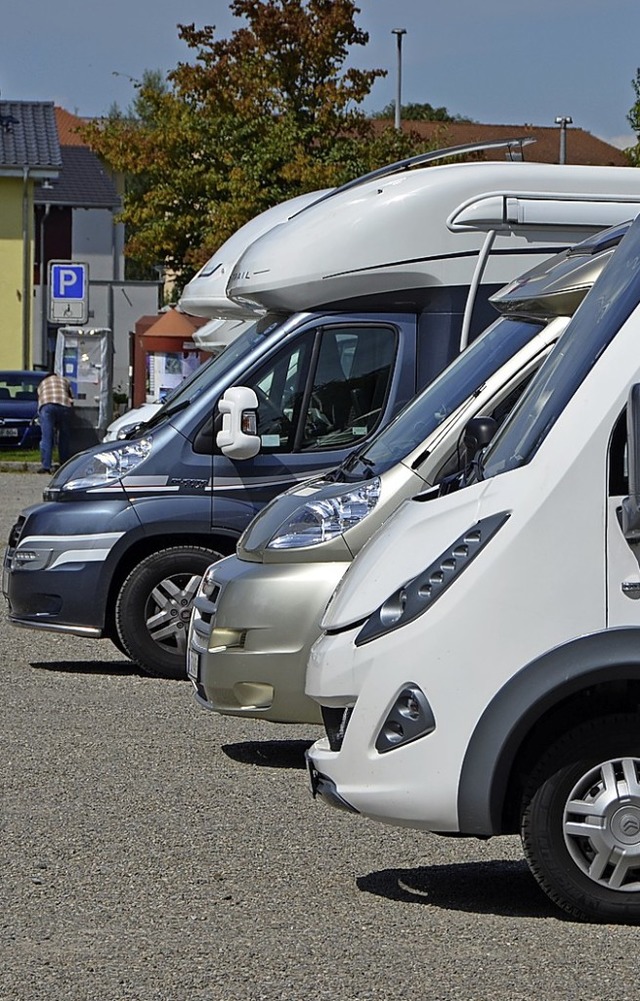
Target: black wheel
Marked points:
153	608
118	644
581	821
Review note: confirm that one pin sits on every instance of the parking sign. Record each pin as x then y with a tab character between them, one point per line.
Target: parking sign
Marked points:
68	292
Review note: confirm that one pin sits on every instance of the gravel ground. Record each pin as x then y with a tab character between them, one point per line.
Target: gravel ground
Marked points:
154	852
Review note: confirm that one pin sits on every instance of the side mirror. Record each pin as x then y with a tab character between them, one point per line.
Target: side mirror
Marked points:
477	434
238	438
631	504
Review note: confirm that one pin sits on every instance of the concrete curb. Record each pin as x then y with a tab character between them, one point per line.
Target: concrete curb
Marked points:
16	466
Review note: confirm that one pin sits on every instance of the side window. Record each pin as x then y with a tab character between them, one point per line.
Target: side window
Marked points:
279	386
350	386
499	411
618	469
327	389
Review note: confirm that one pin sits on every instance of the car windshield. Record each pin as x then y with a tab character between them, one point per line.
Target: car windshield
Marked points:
460	380
610	302
214	369
20	385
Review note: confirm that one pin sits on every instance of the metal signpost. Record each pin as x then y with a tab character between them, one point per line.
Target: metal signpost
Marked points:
68	292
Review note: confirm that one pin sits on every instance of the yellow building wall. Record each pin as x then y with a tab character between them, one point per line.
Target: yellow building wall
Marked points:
12	307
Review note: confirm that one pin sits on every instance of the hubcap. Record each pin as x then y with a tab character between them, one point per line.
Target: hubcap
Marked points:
168	611
601	824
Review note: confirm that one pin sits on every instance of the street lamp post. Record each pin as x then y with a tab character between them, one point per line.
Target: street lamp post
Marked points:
398	32
563	121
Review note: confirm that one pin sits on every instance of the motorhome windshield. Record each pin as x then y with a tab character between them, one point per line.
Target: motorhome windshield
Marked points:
214	369
463	377
610	302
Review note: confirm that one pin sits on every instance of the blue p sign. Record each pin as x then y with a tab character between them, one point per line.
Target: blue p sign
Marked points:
67	281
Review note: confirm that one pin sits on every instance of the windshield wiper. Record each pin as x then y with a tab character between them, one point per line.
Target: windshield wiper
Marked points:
166	412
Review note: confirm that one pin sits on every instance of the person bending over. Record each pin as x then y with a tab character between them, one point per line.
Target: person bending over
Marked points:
55	400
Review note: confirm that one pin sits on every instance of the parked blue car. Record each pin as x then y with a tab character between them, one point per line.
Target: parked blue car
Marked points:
19	427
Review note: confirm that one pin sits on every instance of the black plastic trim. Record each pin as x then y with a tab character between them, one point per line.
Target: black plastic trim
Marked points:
607	656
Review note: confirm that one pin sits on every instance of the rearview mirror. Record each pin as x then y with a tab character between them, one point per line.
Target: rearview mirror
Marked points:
238	438
477	434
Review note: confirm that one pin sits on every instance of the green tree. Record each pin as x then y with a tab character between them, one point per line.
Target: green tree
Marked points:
269	113
633	152
140	113
419	113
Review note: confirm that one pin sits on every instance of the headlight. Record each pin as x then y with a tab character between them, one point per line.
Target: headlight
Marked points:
321	520
209	587
109	466
417	595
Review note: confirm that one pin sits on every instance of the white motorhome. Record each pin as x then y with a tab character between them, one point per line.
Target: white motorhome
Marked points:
258	612
396	240
479	669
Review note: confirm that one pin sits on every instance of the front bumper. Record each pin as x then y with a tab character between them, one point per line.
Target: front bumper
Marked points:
249	644
55	574
323	787
378	759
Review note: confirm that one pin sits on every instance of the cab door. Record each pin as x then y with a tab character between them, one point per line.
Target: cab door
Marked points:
323	392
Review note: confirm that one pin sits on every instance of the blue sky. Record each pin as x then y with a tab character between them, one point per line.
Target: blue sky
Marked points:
497	61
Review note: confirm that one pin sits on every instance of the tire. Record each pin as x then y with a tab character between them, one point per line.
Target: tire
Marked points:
581	821
153	608
118	644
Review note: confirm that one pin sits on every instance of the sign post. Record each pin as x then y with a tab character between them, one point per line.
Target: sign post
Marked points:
68	292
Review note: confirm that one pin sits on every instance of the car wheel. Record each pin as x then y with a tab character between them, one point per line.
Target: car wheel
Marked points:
153	608
581	820
118	644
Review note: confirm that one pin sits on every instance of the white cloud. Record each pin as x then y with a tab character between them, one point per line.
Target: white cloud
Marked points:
621	142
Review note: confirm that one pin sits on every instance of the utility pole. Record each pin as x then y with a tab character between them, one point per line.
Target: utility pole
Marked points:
398	32
563	121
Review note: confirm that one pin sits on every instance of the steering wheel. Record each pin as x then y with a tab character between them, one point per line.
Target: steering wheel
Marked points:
268	408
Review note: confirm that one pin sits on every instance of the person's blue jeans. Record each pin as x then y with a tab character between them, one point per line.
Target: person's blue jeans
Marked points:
55	423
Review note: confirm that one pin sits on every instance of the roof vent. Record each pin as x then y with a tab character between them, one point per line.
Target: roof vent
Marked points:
7	122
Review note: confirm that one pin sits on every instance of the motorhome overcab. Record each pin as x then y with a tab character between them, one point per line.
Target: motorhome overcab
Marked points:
136	523
479	669
206	293
258	612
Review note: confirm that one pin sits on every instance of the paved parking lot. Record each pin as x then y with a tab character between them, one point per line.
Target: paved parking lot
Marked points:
153	852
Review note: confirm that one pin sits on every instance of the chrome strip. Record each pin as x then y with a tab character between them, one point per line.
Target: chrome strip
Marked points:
90	631
79	556
56	541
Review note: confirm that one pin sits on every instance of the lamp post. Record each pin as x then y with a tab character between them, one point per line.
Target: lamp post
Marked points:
563	121
398	32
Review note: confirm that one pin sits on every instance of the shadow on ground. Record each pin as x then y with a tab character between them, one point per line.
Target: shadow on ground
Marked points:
98	667
269	753
500	887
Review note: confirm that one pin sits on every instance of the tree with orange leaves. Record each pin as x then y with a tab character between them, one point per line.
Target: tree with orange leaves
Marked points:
266	114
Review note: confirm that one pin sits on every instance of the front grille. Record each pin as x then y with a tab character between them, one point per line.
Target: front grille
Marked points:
335	722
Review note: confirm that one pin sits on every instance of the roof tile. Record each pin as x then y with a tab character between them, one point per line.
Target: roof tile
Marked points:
581	147
84	182
28	136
